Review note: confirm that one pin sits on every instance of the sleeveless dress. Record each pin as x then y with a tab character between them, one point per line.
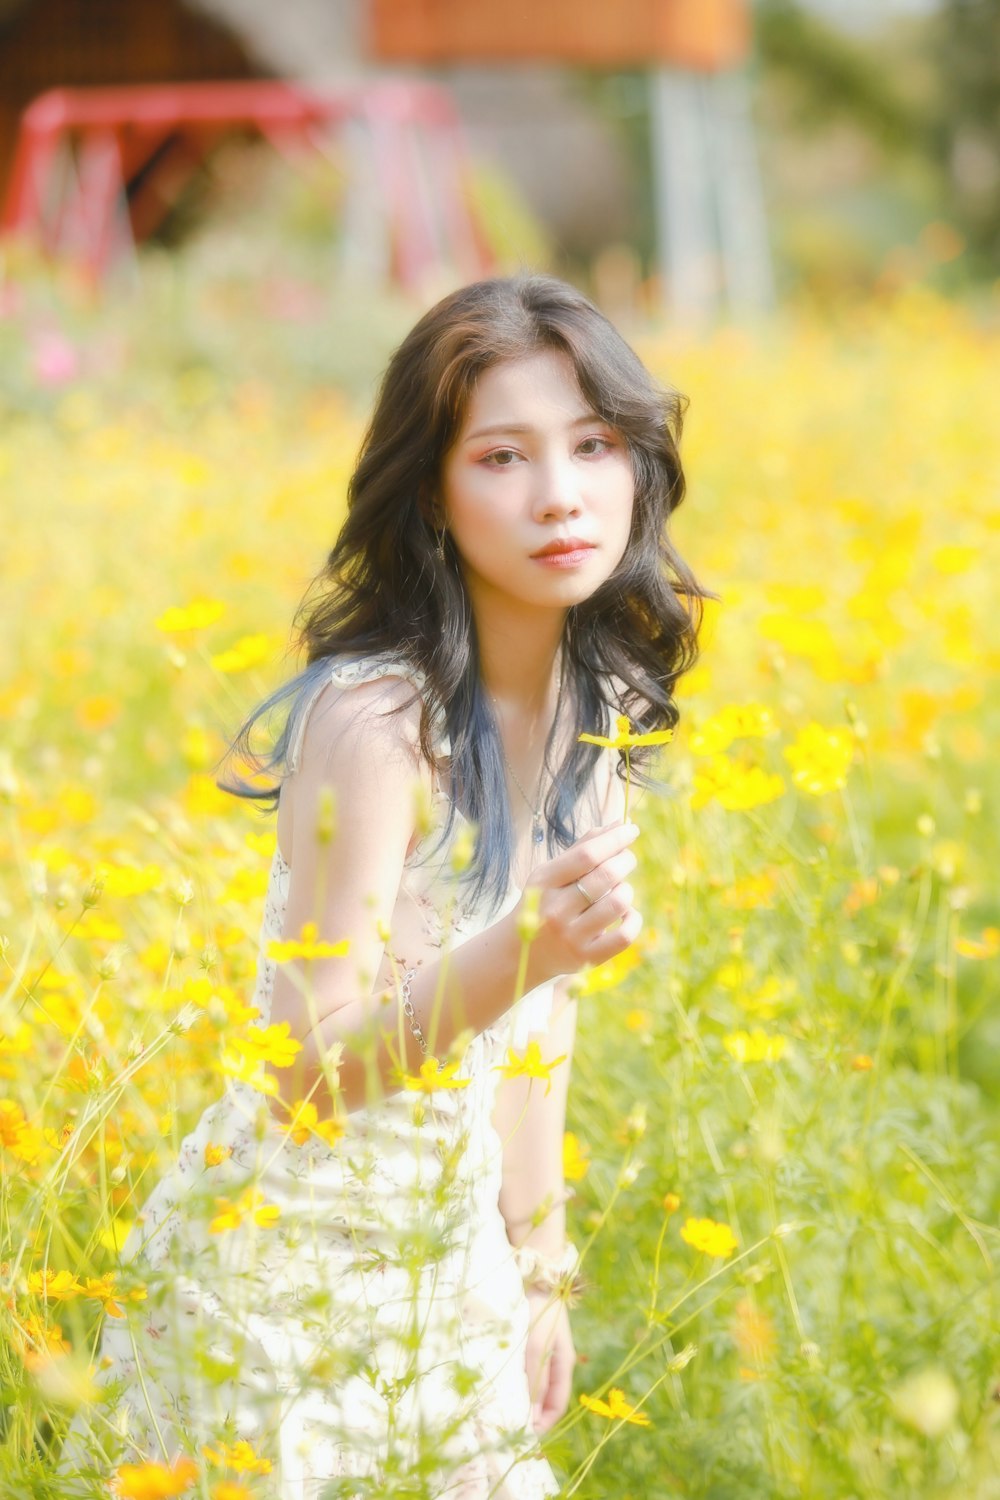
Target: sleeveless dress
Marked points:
369	1340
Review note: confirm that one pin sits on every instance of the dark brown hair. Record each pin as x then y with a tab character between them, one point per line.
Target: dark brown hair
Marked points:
385	590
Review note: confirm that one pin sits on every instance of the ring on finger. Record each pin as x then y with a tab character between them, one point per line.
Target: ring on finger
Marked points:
585	893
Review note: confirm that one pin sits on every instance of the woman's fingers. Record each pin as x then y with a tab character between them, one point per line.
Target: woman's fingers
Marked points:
616	939
613	907
596	885
589	853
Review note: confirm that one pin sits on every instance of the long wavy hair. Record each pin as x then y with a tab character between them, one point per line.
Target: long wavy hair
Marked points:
386	591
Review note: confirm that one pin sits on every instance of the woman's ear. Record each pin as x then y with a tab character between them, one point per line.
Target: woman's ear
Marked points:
428	505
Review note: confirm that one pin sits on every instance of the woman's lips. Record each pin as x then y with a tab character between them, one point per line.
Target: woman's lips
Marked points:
572	558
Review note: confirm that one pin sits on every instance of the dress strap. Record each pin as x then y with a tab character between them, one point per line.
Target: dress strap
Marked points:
347	674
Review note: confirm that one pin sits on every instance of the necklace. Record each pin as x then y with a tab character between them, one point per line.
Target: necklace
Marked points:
535	808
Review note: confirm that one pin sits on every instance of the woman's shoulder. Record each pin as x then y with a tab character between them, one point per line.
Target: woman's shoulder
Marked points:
370	705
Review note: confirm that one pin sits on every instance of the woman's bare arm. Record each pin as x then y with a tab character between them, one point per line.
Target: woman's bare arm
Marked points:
346	880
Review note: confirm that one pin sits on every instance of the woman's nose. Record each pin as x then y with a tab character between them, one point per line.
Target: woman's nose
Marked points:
558	491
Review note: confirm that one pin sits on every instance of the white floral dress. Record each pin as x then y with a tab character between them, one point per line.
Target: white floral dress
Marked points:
370	1341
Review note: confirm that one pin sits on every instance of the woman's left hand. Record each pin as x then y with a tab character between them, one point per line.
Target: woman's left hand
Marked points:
549	1359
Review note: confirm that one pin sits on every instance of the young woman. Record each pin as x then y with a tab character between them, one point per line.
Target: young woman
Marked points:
384	1310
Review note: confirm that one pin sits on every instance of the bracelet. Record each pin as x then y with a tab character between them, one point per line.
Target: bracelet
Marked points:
547	1273
410	1013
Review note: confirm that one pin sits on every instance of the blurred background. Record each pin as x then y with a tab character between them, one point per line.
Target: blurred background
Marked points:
337	161
218	217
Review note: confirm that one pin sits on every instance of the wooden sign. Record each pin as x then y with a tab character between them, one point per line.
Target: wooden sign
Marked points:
701	35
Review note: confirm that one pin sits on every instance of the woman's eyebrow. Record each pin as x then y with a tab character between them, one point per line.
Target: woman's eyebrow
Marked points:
521	427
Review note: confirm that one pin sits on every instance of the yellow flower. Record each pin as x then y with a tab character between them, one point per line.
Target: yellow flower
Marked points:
19	1137
154	1481
616	1407
735	787
249	651
736	721
239	1456
54	1286
755	1046
531	1065
986	946
307	945
257	1047
709	1237
102	1289
432	1076
197	615
216	1155
624	739
820	758
248	1070
576	1157
609	975
269	1044
230	1215
230	1489
306	1122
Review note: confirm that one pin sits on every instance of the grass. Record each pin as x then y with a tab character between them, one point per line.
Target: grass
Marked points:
806	1054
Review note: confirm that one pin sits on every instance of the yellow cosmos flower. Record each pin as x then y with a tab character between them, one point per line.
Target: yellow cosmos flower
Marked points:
54	1286
249	1070
709	1237
735	787
102	1289
531	1065
433	1076
230	1489
269	1044
616	1407
755	1046
216	1155
624	739
249	651
576	1157
154	1481
230	1215
197	615
306	945
609	975
306	1122
734	722
820	758
239	1456
986	946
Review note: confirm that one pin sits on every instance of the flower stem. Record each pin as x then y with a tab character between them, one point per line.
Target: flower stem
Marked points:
628	781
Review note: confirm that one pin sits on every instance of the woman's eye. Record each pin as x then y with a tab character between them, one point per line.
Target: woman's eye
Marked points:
593	445
501	458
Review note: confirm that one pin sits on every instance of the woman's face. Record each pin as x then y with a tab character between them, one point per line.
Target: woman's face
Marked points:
537	489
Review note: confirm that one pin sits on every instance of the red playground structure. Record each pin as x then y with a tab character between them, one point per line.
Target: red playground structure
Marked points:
97	170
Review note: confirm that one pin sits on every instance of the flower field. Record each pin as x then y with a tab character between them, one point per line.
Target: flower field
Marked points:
783	1139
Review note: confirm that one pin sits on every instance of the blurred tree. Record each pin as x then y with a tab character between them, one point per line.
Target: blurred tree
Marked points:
834	75
946	121
964	39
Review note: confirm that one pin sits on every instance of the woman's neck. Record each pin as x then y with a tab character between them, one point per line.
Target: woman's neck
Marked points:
519	659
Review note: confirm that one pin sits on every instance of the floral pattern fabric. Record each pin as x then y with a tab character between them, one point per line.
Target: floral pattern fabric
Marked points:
370	1339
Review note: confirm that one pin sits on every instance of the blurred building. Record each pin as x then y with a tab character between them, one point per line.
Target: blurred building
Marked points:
521	103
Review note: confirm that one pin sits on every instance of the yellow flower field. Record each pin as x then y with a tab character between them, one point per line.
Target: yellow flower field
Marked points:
783	1149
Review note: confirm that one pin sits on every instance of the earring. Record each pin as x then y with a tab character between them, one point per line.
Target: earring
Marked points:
439	549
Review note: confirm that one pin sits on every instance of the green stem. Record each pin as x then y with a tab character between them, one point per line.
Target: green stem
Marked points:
628	781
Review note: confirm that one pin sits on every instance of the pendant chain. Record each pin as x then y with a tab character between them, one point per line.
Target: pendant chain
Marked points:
537	831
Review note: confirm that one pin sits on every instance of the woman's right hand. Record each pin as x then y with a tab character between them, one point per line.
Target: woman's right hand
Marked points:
580	894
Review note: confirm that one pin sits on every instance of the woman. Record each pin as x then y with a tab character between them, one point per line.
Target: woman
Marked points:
358	1270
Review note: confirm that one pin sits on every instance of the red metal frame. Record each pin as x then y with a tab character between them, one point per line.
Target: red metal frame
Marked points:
84	154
